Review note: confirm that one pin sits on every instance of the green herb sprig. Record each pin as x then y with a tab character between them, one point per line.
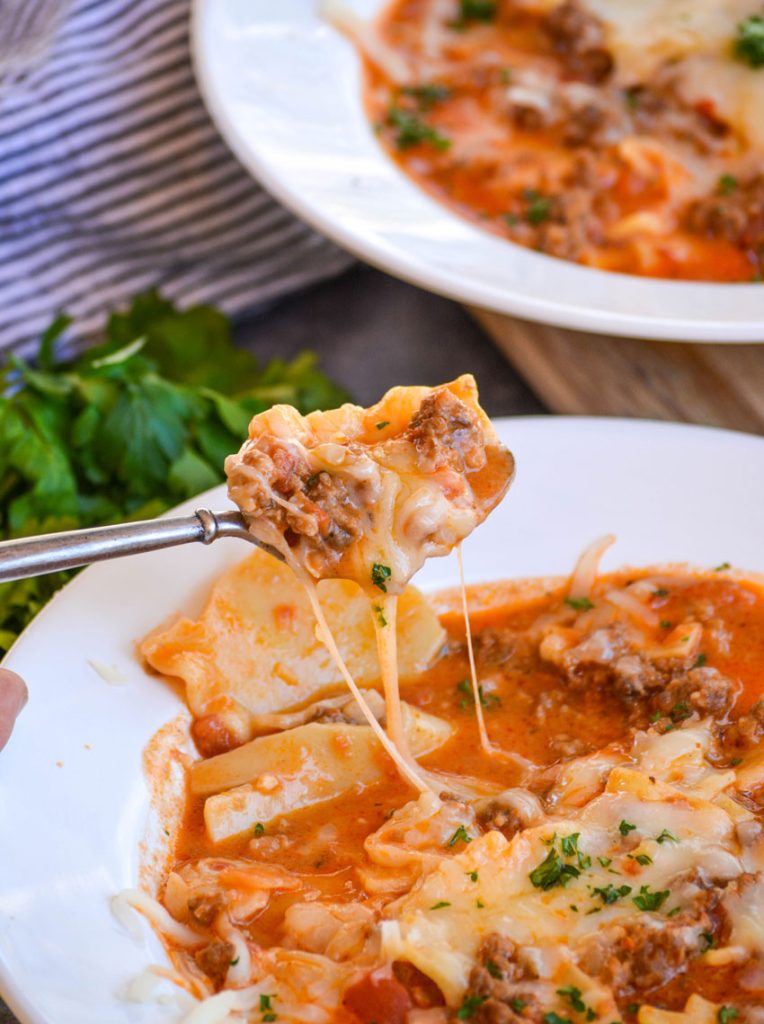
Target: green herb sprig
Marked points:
137	424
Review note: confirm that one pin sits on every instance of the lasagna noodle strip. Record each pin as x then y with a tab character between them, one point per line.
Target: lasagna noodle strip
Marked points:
407	770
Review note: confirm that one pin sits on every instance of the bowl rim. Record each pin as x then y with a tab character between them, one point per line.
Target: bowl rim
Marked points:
395	260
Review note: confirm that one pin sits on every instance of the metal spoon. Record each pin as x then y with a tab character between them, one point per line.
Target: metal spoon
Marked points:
35	556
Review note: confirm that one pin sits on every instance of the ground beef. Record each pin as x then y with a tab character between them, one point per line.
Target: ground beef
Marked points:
215	960
645	954
321	505
509	812
737	216
747	731
586	125
499	979
562	745
578	38
446	432
704	690
204	909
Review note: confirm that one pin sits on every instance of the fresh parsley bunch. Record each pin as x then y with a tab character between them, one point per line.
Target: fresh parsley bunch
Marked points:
136	425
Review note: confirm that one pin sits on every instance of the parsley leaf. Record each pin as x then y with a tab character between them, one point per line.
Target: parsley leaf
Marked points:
469	1005
609	894
726	1014
665	837
487	700
552	871
625	827
726	186
379	575
581	604
647	900
461	835
412	130
475	11
749	41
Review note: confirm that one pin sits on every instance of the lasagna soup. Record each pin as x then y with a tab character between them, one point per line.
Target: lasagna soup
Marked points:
622	134
614	871
534	801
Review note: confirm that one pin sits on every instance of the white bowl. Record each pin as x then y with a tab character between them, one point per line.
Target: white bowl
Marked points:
73	801
284	88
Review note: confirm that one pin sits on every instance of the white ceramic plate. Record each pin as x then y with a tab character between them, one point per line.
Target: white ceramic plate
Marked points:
284	89
73	801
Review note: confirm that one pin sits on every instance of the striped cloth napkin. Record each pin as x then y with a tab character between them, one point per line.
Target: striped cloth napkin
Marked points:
113	178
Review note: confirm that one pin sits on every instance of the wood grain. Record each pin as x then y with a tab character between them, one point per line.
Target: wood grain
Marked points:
590	374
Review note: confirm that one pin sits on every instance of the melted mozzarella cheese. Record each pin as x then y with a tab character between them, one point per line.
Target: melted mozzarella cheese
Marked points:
440	924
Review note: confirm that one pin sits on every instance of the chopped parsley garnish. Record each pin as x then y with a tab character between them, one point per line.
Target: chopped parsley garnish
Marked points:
259	829
573	994
674	911
266	1008
471	11
736	761
538	209
642	858
726	1013
605	861
555	1018
610	894
569	844
666	837
427	95
552	871
749	42
679	712
581	604
700	660
412	130
382	424
665	623
625	827
487	700
647	900
493	969
656	716
661	592
708	940
473	875
378	611
379	575
233	963
727	184
469	1005
722	567
632	1008
517	1003
479	904
460	836
440	904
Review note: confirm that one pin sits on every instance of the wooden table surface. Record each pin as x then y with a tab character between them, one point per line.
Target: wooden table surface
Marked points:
589	374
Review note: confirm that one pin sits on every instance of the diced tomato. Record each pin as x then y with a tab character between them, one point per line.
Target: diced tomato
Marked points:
378	999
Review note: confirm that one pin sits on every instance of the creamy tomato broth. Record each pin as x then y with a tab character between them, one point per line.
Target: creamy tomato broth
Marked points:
610	870
626	136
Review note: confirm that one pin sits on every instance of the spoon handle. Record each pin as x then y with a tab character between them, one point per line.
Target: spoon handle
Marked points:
35	556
